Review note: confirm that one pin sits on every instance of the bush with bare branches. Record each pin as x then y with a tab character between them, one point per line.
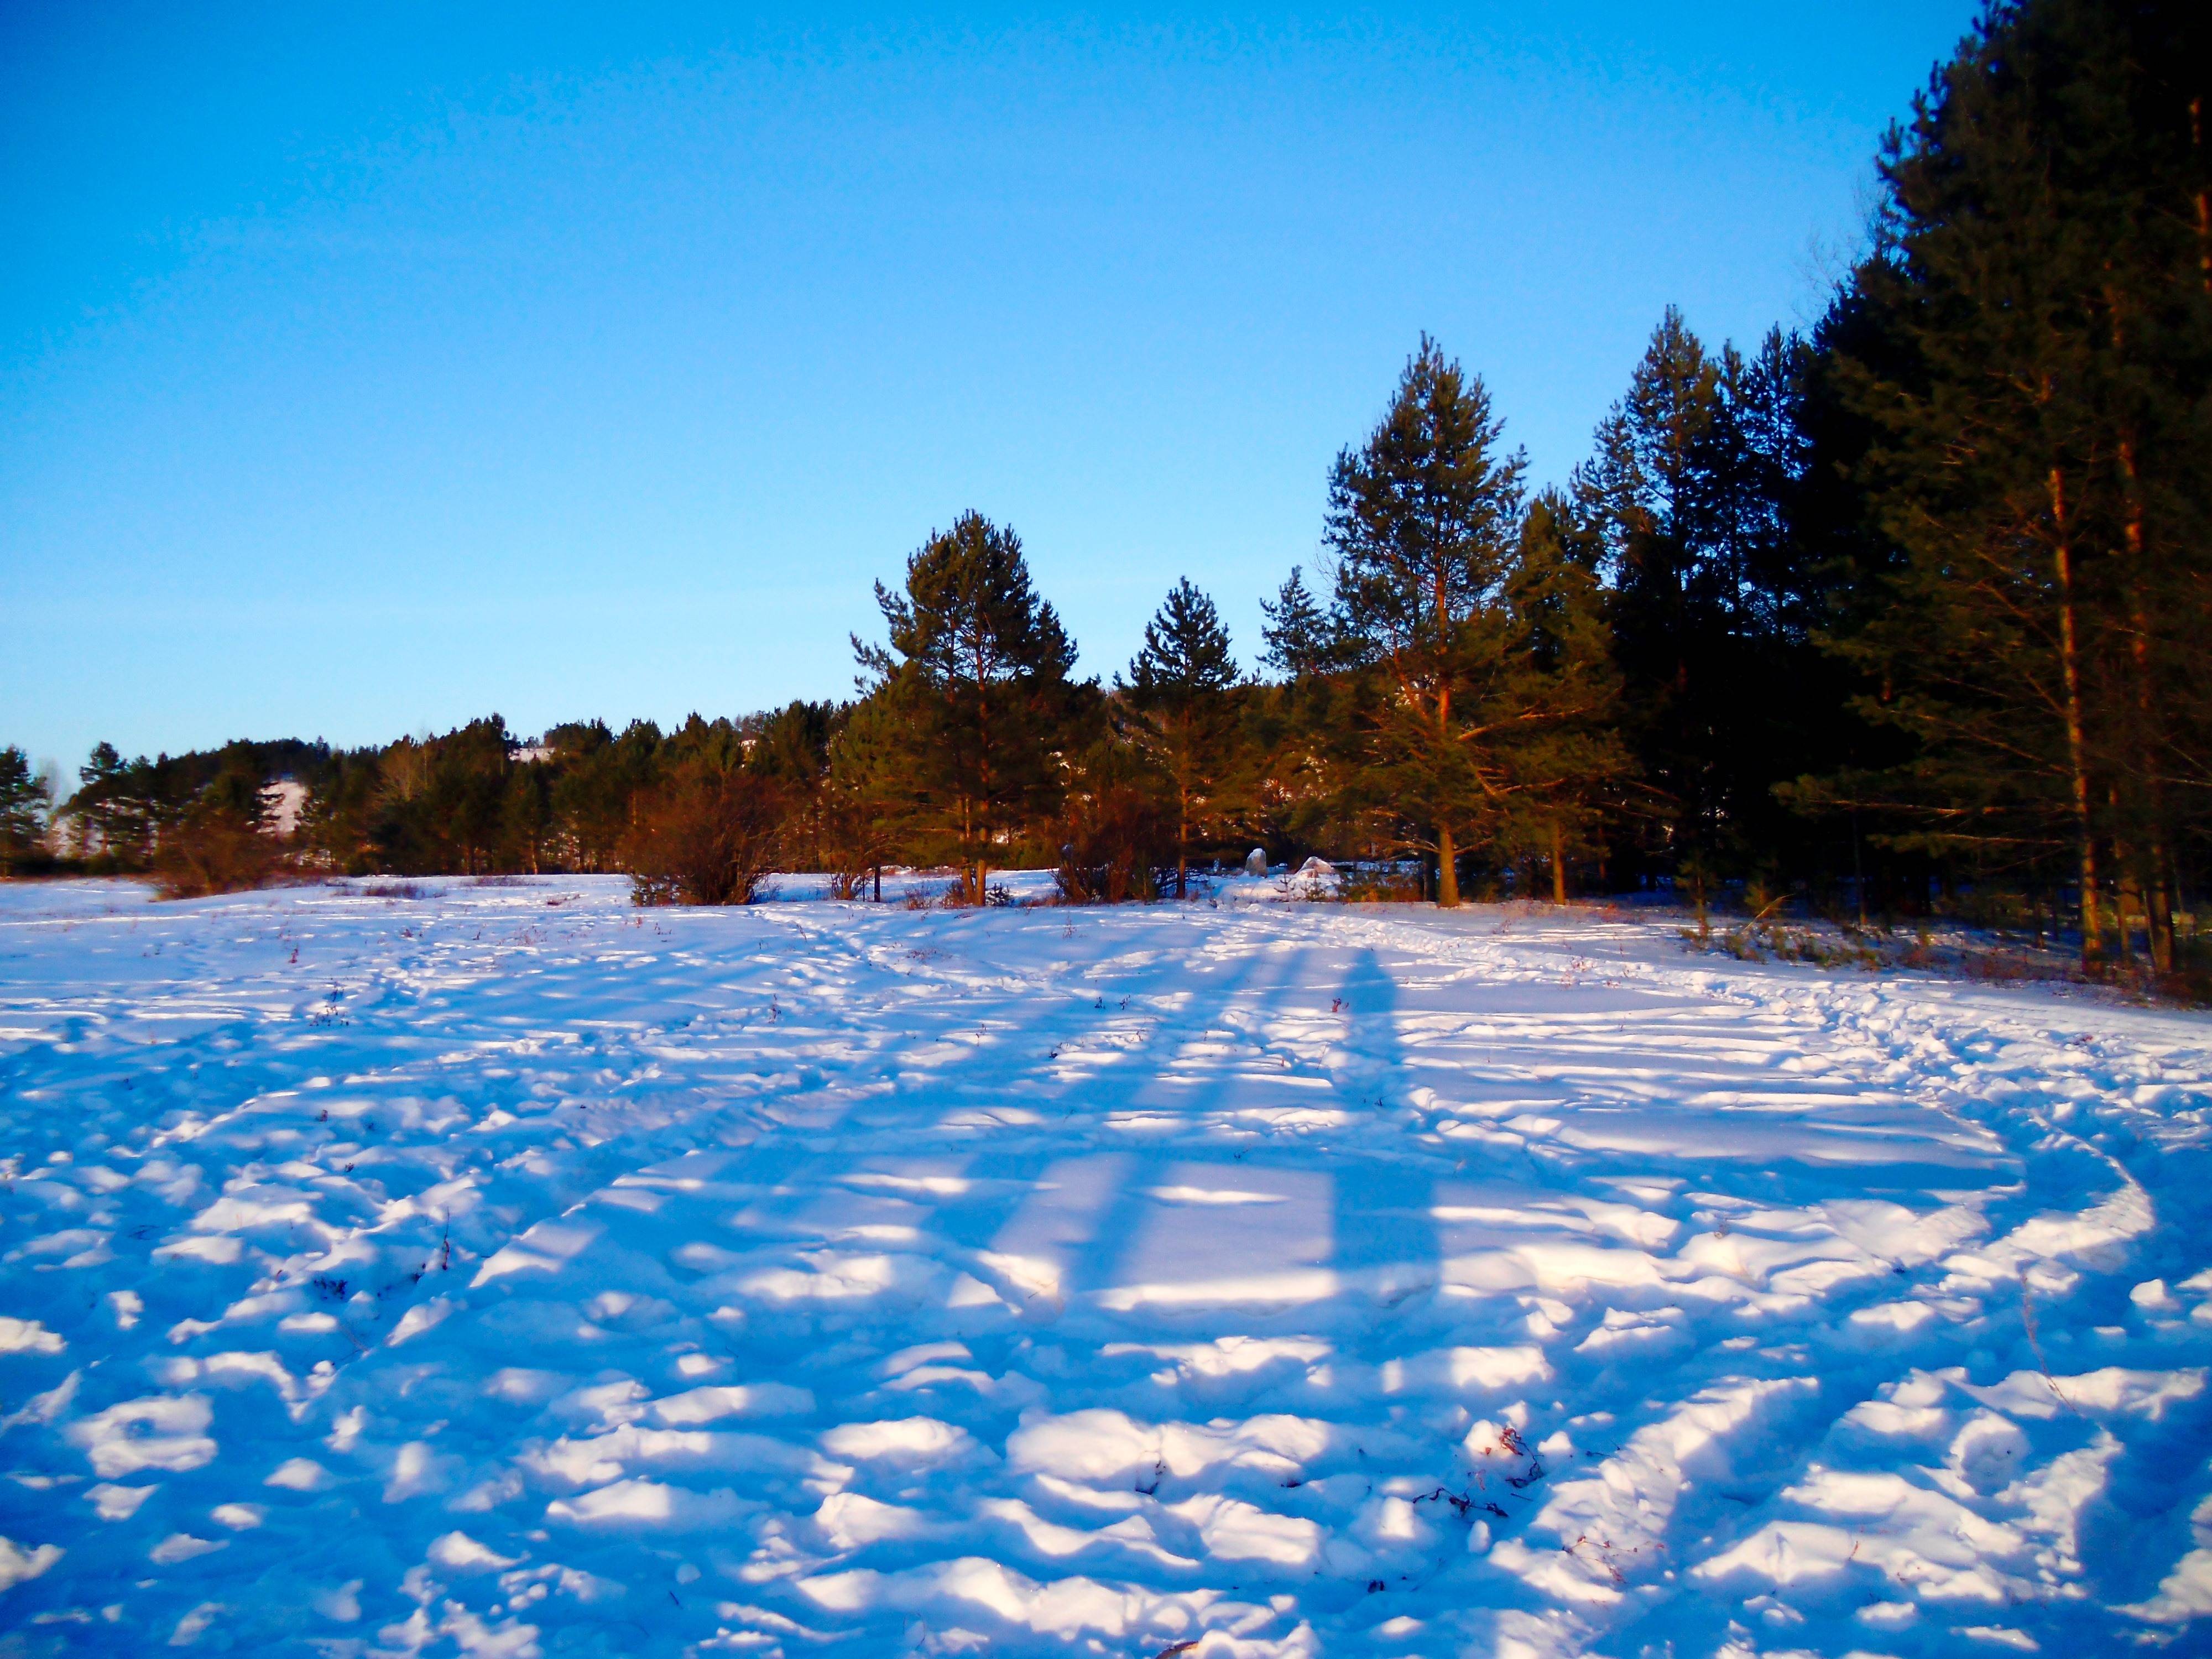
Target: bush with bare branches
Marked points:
218	845
708	836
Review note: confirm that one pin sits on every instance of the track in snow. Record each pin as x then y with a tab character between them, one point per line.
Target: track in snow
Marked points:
507	1270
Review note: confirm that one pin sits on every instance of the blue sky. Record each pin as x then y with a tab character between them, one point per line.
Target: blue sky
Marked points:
366	369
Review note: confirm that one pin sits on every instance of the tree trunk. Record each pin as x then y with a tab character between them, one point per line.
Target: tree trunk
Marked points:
967	843
2127	898
2130	905
1446	863
2157	903
1558	865
2203	203
2076	743
1183	841
1858	871
1447	871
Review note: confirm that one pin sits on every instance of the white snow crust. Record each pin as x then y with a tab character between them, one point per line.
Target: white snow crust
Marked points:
498	1269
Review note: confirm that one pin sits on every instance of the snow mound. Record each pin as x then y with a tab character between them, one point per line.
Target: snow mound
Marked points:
1316	878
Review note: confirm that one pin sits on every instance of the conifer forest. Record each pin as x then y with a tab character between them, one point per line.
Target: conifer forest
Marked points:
1903	616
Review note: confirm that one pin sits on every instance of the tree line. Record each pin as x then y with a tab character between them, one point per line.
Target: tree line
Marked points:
1905	611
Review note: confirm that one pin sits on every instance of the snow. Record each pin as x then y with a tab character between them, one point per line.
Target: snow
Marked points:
1316	878
282	803
504	1270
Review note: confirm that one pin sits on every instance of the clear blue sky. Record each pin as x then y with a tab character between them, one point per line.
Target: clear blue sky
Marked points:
367	368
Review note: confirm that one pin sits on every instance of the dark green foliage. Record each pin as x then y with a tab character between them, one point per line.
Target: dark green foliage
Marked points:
597	777
1564	748
1472	631
1689	495
23	808
977	664
2030	351
123	810
792	746
1178	688
1298	637
1115	827
112	809
1421	519
866	805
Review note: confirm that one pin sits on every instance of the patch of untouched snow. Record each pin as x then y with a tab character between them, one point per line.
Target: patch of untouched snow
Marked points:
502	1269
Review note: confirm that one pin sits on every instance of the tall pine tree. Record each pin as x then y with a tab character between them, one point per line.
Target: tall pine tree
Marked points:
1421	519
2042	315
24	803
1179	685
980	665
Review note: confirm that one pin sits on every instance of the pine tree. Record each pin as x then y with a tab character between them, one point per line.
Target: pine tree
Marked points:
1179	684
1648	490
980	665
1567	753
792	746
1690	495
114	808
866	796
594	803
2039	463
24	804
1296	636
524	817
1423	519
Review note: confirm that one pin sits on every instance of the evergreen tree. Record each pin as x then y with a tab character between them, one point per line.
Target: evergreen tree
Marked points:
1179	684
1690	496
334	823
1298	640
980	665
524	817
442	799
1566	754
1113	834
1646	488
602	778
114	808
866	798
1423	519
792	746
2042	315
24	804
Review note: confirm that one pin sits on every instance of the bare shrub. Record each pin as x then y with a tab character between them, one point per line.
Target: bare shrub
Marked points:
1116	841
217	845
708	836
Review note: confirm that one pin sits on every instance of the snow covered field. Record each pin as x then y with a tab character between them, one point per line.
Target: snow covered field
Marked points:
504	1270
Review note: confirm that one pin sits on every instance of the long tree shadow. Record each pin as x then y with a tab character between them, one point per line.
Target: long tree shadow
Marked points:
1120	1232
1387	1246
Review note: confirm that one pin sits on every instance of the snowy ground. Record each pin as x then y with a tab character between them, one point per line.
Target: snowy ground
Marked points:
505	1270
